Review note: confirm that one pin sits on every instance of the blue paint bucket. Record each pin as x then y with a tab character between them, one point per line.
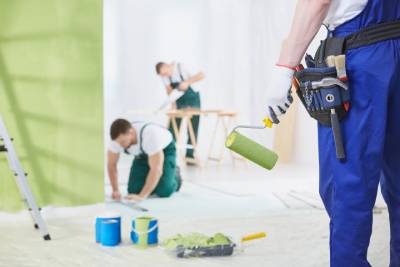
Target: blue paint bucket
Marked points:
105	217
110	232
144	231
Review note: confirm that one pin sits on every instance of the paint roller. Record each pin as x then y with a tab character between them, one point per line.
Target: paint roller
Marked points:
175	95
250	149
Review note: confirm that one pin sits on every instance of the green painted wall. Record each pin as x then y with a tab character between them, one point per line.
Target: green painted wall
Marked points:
51	99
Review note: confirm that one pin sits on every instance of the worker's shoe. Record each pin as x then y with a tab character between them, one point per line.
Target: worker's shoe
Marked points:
178	178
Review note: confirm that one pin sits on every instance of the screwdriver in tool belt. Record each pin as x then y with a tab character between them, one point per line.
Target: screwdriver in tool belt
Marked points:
337	135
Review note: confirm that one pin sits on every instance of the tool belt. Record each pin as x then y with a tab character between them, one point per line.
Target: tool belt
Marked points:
320	91
367	36
322	87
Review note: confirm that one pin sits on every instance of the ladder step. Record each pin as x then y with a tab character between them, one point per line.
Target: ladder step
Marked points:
39	208
16	174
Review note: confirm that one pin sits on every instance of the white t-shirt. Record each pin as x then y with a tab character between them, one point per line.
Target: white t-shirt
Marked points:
176	77
341	11
155	139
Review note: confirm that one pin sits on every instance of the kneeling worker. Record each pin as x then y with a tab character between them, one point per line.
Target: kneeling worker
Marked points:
154	169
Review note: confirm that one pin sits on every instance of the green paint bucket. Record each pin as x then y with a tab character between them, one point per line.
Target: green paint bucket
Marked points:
144	232
251	150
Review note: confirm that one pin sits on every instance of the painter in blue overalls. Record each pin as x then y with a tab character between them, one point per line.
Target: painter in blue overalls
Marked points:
357	106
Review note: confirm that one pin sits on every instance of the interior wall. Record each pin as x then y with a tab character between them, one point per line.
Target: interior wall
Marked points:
51	99
235	43
138	34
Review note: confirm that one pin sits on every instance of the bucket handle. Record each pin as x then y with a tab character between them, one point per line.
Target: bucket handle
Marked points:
145	232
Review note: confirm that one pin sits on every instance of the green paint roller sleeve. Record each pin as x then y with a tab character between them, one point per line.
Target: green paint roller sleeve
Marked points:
251	150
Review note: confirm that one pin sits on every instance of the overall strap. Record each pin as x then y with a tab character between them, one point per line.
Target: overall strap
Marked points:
180	71
178	66
141	135
126	149
141	138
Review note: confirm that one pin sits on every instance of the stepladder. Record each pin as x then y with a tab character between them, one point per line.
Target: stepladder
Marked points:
7	147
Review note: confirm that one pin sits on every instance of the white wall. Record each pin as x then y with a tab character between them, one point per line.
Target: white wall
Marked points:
306	145
234	42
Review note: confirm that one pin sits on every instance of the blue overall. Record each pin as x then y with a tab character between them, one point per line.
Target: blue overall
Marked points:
371	133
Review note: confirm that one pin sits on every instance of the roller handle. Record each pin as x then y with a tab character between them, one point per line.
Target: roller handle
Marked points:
267	122
337	135
253	236
295	86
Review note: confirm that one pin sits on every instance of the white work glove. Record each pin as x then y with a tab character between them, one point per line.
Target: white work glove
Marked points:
279	92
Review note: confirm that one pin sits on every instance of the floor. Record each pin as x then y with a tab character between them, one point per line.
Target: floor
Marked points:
235	201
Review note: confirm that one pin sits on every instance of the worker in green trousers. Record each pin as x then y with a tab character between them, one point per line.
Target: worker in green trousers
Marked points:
177	76
154	169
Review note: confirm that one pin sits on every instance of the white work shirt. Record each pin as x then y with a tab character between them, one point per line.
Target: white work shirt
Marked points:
341	11
176	77
155	139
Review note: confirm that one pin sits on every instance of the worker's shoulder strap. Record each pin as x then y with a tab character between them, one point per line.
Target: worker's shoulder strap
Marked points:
141	135
180	71
135	122
178	66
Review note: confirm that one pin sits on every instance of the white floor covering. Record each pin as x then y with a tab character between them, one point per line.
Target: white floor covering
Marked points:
283	203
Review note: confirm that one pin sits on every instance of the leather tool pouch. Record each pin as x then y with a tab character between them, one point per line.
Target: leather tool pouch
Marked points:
319	100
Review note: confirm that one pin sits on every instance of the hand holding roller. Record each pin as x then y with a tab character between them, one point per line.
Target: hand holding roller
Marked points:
250	149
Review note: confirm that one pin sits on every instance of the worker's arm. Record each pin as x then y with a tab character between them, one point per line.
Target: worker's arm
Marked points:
169	89
308	18
307	21
112	160
196	78
156	163
193	79
172	96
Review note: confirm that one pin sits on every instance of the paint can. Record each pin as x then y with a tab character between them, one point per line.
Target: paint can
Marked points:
104	217
144	231
110	233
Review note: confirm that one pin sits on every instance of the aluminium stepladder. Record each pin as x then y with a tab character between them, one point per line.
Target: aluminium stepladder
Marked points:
22	181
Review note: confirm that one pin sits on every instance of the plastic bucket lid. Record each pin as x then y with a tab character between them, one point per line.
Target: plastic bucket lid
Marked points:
109	215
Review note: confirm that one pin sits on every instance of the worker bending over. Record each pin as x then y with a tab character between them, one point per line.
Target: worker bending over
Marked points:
176	76
154	169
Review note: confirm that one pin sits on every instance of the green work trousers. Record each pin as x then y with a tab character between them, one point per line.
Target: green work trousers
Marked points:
190	99
168	183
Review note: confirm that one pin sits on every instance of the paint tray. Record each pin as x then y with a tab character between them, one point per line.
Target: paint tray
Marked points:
199	245
210	251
